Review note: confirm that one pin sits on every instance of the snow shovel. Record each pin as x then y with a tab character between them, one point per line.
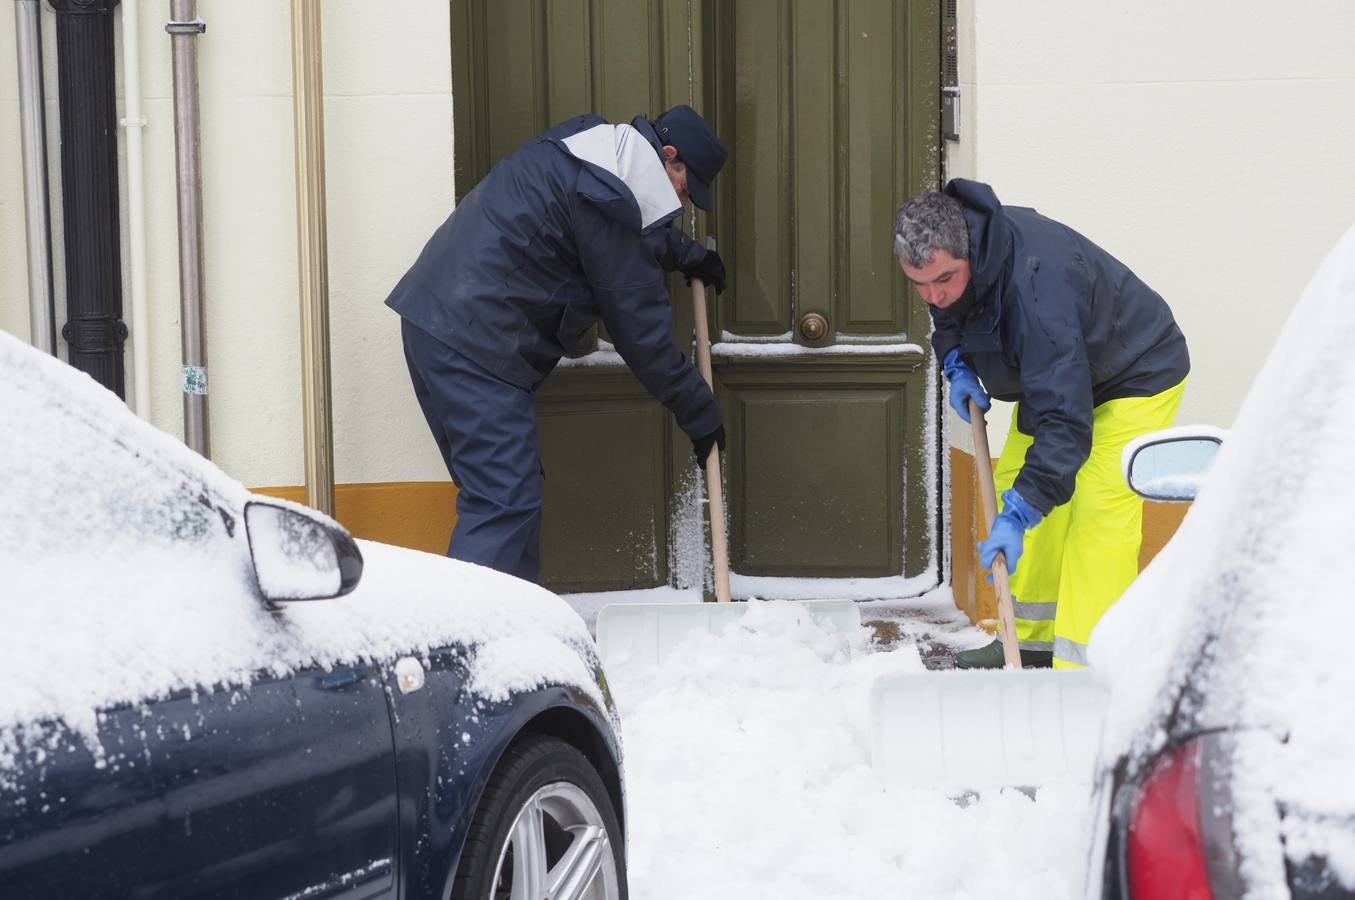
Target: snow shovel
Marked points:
961	731
648	631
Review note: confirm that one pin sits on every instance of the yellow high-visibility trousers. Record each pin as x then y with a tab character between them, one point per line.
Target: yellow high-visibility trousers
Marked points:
1082	556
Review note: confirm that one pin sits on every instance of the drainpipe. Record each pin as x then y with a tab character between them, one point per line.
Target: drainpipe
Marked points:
94	330
33	137
183	28
133	122
312	254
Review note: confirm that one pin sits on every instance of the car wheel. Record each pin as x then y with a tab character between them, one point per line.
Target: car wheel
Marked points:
545	827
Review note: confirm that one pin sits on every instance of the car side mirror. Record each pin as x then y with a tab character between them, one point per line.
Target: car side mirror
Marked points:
1170	468
299	554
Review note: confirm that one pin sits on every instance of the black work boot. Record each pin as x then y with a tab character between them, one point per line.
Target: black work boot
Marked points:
990	657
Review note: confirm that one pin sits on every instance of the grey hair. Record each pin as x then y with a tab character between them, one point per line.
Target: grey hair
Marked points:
927	223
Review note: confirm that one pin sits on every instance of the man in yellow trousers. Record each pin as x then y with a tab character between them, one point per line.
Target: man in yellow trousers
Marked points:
1027	310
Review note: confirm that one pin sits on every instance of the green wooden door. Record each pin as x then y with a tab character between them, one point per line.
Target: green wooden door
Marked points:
830	113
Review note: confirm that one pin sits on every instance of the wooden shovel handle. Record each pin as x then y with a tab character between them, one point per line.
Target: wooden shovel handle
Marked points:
714	490
983	462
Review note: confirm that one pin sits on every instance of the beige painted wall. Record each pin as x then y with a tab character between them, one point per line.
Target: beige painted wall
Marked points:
13	260
388	122
1207	145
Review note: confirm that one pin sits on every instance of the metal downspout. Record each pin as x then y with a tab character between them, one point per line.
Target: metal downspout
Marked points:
86	75
33	137
133	122
312	253
183	28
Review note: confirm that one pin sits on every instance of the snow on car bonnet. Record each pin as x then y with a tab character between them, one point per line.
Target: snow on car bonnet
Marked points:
1250	602
125	575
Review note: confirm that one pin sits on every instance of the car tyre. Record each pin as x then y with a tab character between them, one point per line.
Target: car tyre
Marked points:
545	826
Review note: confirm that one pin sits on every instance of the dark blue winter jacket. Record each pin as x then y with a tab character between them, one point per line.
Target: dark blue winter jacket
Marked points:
572	228
1055	322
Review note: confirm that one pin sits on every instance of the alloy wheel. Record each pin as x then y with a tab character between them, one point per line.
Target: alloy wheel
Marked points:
557	849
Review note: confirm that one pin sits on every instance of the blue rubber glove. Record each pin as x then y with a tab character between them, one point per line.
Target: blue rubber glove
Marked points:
964	384
1008	536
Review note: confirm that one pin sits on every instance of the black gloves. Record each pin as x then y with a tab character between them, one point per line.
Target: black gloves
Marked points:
702	446
710	269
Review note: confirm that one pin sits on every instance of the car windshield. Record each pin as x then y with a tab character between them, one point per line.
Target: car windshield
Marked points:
81	474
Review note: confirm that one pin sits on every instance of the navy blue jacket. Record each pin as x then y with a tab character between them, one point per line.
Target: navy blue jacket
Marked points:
573	227
1055	322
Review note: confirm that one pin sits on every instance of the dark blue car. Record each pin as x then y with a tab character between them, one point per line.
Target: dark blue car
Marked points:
209	693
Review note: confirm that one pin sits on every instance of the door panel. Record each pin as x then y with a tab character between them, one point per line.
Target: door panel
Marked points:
829	110
286	788
815	488
758	300
811	130
521	66
602	446
874	292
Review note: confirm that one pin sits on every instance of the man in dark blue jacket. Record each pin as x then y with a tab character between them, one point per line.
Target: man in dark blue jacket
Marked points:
1027	310
574	227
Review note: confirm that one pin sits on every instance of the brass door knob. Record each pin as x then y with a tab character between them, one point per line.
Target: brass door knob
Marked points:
813	326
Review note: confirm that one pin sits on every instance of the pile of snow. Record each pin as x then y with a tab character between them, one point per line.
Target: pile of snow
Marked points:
127	576
1254	584
763	586
765	350
749	776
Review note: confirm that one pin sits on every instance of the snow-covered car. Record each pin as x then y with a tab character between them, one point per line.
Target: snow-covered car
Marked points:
206	692
1225	768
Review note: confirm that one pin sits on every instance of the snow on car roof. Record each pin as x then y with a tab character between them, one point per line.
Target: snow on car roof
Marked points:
1257	578
125	575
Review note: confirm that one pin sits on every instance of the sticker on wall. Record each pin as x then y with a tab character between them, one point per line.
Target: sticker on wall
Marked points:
195	379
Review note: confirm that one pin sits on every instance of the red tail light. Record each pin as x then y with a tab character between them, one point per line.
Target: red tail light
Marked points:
1165	855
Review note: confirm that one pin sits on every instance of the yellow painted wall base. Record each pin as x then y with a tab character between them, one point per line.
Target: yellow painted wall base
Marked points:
414	514
420	515
973	595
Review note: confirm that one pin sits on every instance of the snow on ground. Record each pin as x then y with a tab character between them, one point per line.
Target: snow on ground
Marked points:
748	774
587	605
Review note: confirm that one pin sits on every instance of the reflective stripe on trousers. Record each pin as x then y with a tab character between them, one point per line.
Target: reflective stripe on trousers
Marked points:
1069	654
1083	555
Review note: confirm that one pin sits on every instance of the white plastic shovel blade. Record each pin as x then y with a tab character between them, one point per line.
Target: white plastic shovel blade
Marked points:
969	730
641	633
